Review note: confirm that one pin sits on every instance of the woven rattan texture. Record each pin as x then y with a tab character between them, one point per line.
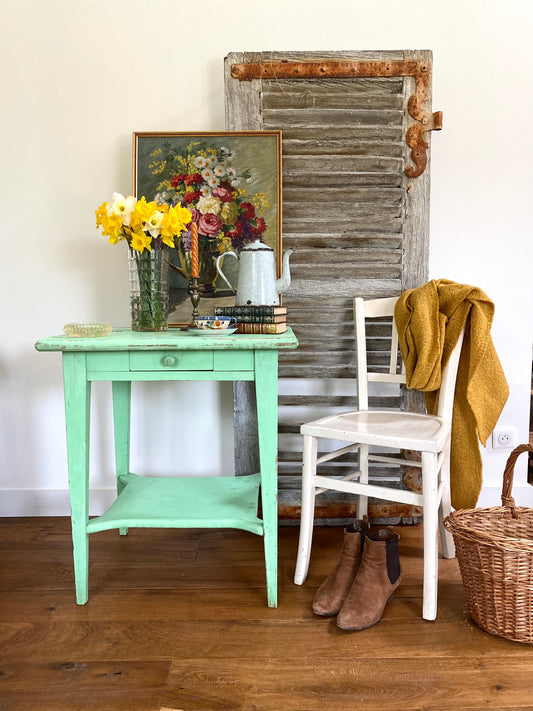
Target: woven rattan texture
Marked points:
494	547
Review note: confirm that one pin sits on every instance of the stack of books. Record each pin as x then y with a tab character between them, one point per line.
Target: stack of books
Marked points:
256	319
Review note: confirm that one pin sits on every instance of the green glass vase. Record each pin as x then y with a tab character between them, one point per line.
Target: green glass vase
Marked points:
149	289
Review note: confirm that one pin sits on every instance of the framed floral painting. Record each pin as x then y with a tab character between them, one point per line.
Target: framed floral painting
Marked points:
231	183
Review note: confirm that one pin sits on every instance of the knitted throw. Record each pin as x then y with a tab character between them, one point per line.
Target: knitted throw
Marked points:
429	320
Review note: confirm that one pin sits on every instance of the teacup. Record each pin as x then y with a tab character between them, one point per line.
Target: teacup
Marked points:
217	323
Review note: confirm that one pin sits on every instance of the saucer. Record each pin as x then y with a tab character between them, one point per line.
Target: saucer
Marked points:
211	331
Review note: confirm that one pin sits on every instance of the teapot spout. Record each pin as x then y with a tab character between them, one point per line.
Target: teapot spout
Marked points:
283	283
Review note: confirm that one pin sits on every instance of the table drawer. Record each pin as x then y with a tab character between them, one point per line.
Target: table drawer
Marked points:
171	360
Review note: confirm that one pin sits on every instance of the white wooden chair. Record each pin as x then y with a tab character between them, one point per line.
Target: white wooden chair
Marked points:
427	434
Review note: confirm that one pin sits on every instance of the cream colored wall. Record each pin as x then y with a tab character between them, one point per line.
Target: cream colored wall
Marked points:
79	77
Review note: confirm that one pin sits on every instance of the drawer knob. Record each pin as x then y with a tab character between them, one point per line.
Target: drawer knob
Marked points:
169	360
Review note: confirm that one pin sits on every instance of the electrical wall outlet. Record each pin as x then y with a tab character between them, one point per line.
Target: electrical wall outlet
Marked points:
504	438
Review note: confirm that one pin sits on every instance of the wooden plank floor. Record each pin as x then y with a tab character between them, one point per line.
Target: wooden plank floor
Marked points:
177	620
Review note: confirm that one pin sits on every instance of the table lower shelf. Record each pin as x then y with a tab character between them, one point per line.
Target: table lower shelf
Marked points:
183	502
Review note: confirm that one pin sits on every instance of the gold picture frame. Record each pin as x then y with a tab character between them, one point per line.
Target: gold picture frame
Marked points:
231	182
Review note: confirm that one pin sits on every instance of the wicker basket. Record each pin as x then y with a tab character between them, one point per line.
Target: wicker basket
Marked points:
494	548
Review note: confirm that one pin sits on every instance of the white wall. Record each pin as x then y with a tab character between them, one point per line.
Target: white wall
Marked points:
79	77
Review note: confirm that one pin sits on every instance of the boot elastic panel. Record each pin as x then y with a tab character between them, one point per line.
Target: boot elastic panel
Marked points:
393	560
391	538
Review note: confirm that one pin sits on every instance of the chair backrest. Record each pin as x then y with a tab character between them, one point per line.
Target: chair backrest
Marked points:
393	370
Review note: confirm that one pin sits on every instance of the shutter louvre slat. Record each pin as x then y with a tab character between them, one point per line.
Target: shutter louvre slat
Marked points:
356	229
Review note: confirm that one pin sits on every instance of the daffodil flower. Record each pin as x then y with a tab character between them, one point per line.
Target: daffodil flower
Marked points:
122	206
112	227
182	216
141	241
168	239
174	224
140	222
154	222
101	214
142	213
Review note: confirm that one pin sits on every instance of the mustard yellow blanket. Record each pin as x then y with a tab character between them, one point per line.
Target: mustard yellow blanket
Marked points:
429	320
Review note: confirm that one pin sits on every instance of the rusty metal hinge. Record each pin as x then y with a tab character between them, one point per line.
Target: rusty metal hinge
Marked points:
346	69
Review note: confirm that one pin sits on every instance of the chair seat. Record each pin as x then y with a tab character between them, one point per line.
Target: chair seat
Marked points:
388	428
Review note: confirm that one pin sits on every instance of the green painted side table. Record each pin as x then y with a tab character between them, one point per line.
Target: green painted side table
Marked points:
169	502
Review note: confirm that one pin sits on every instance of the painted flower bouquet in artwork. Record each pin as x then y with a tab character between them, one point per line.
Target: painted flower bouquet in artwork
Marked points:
203	179
149	229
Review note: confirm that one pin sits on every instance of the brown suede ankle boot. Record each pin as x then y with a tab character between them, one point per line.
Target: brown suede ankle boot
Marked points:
377	579
330	595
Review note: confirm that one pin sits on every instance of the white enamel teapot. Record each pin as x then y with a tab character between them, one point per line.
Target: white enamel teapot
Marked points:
258	285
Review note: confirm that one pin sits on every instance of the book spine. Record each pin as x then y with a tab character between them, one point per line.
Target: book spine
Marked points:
249	311
261	319
268	328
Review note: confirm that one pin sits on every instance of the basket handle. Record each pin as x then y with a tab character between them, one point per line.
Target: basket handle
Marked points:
507	499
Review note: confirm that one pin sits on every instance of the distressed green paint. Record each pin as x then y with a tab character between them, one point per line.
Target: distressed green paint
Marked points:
171	502
78	418
122	424
170	360
160	375
159	502
123	339
266	384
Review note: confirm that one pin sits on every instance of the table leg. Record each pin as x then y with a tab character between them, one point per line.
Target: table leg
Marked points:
122	423
77	416
266	383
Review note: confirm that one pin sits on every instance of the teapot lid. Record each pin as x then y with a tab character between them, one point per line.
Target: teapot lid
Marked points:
257	246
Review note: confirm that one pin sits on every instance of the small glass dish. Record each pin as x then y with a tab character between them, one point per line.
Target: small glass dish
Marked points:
87	330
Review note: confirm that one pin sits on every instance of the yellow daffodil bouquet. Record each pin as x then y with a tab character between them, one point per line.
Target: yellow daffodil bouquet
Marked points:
150	230
143	225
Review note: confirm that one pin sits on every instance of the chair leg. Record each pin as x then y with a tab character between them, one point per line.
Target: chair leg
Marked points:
429	483
362	507
308	508
446	538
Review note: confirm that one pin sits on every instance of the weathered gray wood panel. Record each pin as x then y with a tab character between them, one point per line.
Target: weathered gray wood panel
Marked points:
416	225
358	225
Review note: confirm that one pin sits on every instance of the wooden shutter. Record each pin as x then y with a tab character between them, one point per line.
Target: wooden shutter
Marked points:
355	210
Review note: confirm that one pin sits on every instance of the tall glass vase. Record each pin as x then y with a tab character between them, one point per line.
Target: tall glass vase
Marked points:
149	289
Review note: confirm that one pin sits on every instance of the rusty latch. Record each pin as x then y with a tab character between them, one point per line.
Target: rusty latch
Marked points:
346	69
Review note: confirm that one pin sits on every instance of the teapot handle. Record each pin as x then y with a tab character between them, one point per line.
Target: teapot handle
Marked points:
219	270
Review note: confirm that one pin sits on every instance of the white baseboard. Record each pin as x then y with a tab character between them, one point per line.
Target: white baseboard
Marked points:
55	502
50	502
